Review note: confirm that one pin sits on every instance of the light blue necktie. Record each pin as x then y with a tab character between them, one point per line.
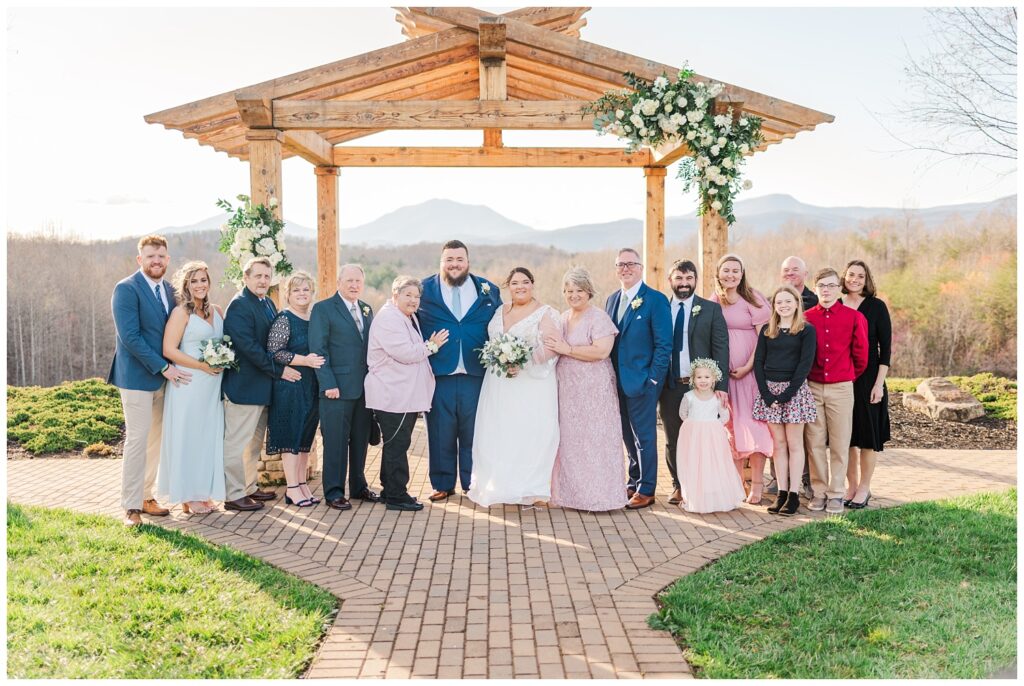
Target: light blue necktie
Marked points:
457	302
160	299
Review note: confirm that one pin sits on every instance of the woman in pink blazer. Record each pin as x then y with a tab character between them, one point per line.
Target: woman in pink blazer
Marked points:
399	385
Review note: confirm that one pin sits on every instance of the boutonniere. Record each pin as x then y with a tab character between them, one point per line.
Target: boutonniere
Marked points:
695	311
485	288
366	310
637	302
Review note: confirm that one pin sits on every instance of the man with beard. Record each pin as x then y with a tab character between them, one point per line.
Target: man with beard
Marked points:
462	303
141	305
698	330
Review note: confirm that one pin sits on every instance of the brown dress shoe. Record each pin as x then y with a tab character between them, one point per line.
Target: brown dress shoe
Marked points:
339	504
263	495
630	492
639	501
438	496
244	504
676	498
132	518
152	507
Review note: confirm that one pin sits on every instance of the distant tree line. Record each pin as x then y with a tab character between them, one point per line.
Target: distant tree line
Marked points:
951	289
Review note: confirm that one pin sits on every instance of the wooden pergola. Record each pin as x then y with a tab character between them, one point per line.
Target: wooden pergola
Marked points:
459	68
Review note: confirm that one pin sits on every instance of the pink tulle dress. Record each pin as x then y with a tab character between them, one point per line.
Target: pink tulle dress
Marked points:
744	320
708	480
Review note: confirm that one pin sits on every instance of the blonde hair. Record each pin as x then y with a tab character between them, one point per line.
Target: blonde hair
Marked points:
579	277
774	320
743	288
252	261
296	278
182	292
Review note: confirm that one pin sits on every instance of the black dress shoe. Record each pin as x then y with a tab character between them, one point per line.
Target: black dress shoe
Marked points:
339	504
244	504
367	495
263	495
405	507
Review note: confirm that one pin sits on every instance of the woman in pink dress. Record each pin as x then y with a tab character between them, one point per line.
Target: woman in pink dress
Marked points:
746	311
590	471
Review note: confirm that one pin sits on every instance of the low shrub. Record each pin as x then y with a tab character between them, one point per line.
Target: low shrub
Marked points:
64	418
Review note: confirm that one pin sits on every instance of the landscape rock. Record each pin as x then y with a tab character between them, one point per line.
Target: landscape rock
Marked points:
940	398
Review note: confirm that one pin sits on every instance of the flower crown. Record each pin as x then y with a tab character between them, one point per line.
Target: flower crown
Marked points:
706	363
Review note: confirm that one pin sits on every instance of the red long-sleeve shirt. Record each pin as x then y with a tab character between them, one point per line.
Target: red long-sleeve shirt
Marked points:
842	353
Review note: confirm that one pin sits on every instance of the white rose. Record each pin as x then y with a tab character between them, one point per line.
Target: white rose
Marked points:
649	107
703	161
667	107
721	119
721	140
715	150
506	348
712	191
690	135
716	205
265	246
636	120
681	102
699	101
694	116
661	83
744	148
715	89
667	126
503	358
636	108
677	119
727	163
747	185
713	171
276	258
643	131
619	114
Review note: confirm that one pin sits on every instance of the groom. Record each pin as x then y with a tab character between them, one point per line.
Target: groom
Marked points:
640	355
463	304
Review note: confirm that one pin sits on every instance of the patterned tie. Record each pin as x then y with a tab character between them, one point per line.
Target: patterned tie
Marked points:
270	310
160	299
355	316
457	302
623	302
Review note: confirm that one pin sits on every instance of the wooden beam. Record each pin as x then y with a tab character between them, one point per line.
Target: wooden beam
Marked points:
265	167
326	230
492	138
255	110
310	146
654	229
567	20
493	70
345	156
433	114
491	36
669	153
713	242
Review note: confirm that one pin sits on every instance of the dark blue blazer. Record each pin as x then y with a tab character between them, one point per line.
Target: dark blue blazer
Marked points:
247	323
469	335
139	320
643	348
334	335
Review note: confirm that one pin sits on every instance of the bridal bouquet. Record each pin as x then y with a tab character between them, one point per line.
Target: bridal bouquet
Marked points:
504	352
218	353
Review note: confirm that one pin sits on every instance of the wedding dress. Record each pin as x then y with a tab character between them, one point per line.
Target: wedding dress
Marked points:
516	434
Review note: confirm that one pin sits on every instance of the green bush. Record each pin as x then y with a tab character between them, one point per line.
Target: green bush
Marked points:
997	393
64	418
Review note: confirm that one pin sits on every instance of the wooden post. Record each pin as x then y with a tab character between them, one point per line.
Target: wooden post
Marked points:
265	177
713	242
493	69
654	229
326	231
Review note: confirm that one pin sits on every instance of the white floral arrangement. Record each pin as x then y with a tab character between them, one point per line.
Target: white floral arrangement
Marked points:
503	353
705	363
252	231
218	353
663	112
637	302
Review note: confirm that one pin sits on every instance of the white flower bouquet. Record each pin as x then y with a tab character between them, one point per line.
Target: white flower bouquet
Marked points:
252	231
218	353
503	353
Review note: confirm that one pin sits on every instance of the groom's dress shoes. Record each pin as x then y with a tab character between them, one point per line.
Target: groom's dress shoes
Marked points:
244	504
152	507
339	504
639	501
132	518
263	495
367	495
630	491
438	496
676	497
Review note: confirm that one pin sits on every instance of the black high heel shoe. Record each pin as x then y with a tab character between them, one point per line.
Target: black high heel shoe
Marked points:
312	497
780	502
854	505
305	502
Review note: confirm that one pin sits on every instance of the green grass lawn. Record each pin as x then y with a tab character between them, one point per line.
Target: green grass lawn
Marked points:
87	597
922	590
997	393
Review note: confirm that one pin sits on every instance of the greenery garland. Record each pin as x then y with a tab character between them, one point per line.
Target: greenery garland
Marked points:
663	112
252	231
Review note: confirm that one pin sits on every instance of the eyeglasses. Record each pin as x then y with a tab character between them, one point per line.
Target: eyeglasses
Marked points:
627	265
823	286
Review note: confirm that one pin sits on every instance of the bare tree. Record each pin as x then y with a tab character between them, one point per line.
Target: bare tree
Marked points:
963	93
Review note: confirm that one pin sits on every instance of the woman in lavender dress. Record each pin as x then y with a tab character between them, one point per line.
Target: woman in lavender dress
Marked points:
589	468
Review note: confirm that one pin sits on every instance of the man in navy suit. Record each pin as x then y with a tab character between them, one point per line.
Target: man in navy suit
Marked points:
640	355
247	389
463	304
141	304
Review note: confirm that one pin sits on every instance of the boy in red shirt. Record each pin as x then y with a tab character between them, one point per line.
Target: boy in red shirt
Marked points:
841	357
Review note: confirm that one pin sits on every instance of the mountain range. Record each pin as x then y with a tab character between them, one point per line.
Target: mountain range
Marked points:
435	221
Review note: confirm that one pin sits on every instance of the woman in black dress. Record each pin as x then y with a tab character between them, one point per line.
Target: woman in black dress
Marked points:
870	396
294	411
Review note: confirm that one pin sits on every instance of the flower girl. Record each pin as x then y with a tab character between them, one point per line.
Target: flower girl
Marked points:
708	480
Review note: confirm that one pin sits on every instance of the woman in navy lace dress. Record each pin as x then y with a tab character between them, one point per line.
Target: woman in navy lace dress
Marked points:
294	414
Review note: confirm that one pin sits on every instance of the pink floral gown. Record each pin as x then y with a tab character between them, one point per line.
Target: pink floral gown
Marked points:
590	469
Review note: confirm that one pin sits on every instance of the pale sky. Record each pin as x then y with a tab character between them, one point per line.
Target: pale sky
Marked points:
81	157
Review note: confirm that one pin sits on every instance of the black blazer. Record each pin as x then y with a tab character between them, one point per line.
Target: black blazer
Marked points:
709	337
334	335
247	323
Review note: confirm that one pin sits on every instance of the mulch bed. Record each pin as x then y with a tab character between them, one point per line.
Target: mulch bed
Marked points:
915	430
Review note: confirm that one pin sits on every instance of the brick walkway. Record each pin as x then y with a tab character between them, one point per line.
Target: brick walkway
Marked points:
459	591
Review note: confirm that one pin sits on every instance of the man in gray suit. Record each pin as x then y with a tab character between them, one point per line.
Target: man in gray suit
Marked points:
339	329
698	330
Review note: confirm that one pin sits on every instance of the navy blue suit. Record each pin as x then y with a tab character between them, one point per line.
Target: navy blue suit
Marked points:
139	320
452	414
641	356
247	322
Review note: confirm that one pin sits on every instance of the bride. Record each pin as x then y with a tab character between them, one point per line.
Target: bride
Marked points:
516	434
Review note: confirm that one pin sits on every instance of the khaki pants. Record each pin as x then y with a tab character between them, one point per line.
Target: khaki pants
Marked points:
143	423
834	402
245	428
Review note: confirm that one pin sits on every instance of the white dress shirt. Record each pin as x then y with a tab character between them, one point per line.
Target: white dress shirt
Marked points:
684	354
152	288
627	296
467	296
359	311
